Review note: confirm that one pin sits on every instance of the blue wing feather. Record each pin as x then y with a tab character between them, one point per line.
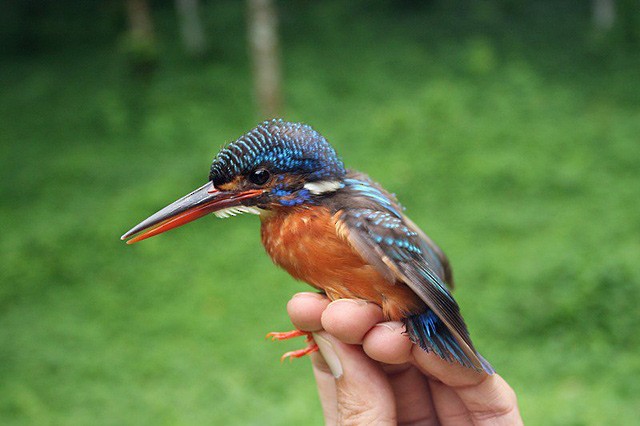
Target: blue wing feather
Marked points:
384	237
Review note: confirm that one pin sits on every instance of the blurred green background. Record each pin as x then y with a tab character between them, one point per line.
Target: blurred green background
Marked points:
509	129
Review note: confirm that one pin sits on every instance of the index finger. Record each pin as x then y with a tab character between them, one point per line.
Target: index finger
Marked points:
305	310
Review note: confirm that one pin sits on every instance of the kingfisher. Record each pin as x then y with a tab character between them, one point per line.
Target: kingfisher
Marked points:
333	228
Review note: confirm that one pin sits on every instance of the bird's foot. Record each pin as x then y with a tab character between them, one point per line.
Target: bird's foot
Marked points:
311	344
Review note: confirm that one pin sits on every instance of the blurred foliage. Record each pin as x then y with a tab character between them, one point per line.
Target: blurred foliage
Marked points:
508	129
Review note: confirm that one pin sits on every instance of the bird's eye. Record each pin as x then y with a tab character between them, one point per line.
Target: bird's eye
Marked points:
259	176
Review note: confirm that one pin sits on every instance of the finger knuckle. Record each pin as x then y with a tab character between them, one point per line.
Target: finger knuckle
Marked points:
355	410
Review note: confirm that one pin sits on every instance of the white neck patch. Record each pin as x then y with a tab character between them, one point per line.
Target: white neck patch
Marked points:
323	187
233	211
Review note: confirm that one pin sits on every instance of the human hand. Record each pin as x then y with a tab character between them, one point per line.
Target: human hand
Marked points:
368	372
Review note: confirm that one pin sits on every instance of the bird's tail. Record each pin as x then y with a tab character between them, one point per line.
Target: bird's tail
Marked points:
428	331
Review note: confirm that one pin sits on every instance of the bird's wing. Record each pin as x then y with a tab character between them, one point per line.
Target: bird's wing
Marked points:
432	250
399	252
373	196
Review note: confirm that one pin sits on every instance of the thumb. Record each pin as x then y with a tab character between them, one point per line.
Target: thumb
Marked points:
363	392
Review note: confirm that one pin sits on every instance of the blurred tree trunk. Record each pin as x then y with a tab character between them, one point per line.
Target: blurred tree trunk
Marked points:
140	22
604	14
191	27
265	56
141	48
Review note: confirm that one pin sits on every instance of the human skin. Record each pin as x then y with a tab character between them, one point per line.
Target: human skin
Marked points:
368	372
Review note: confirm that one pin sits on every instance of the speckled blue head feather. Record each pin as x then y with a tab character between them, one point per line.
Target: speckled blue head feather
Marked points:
281	146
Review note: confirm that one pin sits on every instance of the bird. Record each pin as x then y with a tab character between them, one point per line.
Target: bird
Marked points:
333	228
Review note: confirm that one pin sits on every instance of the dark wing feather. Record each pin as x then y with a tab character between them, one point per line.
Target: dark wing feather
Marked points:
428	246
362	192
398	250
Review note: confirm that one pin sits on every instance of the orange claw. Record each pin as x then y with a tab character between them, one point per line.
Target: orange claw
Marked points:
284	335
311	345
311	348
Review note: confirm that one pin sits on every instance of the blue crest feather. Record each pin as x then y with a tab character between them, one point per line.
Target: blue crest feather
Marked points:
283	147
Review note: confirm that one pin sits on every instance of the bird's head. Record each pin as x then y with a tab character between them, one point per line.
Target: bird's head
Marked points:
277	165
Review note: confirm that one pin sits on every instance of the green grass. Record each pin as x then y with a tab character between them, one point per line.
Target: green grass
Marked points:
510	134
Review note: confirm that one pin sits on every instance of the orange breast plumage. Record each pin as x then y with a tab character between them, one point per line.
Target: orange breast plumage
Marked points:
306	243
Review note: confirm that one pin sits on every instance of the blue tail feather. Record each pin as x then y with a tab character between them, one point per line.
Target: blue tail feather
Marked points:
428	331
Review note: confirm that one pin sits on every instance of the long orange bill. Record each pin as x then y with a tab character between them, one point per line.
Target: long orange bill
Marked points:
204	200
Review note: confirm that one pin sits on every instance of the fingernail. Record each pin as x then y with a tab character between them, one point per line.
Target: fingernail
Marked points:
308	294
329	354
358	302
391	325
